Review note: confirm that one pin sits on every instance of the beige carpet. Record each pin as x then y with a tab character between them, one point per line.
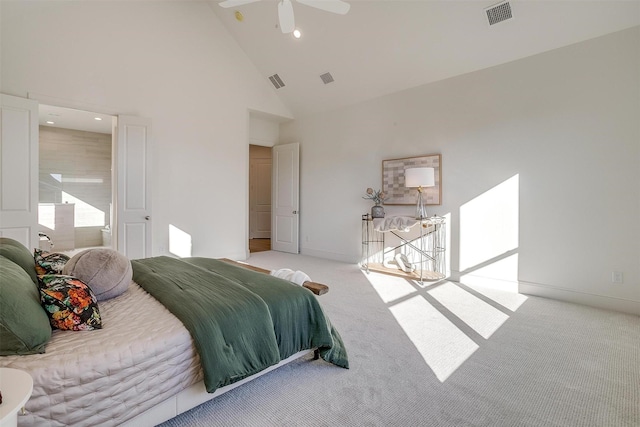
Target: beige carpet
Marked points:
444	355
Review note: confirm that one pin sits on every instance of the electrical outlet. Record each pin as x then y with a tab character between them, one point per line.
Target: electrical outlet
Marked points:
617	277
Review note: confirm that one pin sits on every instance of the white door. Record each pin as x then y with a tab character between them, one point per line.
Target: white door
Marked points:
285	182
19	170
132	154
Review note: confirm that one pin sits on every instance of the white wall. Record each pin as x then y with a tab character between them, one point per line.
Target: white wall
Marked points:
539	164
169	61
263	131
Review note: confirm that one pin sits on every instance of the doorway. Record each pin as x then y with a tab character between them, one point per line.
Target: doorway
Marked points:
75	179
260	161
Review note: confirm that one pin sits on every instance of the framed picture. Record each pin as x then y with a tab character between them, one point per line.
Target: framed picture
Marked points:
393	181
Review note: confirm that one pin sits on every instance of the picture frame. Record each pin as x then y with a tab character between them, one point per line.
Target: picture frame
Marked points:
393	180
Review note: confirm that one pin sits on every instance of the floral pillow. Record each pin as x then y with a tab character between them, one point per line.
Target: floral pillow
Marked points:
49	263
69	303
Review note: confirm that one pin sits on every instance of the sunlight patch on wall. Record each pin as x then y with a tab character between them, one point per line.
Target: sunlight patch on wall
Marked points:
489	224
498	281
179	242
85	214
502	269
479	315
389	288
442	345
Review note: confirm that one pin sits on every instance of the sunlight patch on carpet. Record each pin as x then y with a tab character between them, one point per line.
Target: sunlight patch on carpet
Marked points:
442	345
479	315
501	292
389	288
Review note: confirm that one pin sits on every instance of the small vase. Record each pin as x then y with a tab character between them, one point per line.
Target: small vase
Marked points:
377	211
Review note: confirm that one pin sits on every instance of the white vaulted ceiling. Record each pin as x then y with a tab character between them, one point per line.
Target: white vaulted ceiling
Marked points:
381	47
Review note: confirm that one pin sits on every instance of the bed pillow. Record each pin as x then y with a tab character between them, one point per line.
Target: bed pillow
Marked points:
49	263
69	303
107	272
24	326
19	254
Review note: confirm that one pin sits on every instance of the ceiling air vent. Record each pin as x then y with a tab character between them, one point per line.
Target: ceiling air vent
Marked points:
326	78
499	12
276	81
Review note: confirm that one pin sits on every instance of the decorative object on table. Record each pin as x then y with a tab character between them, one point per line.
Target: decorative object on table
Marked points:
393	180
378	196
419	178
403	263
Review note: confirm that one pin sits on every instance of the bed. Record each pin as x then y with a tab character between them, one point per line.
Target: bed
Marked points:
145	366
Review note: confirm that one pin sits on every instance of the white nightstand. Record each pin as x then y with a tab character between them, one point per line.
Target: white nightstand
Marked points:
16	387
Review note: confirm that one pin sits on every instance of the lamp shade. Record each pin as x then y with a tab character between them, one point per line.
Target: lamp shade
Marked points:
419	177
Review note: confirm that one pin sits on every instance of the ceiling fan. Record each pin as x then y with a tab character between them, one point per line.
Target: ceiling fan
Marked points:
285	9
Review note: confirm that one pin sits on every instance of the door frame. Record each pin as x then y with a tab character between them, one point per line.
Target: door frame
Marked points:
64	103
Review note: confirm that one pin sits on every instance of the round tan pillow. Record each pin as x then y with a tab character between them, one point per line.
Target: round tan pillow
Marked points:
107	272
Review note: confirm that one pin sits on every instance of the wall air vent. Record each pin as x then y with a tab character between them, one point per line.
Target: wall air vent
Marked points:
326	78
499	12
276	81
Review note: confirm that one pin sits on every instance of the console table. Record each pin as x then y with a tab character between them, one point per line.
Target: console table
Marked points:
426	251
16	387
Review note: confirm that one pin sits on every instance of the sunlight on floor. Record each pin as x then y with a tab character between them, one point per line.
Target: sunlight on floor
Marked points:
497	281
437	316
442	345
390	288
482	317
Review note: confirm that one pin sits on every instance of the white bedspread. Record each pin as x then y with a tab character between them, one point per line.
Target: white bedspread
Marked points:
142	356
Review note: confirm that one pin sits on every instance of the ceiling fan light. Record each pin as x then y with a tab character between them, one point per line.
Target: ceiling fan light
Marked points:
285	16
296	34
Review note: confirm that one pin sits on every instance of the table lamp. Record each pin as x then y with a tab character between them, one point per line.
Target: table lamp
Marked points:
419	178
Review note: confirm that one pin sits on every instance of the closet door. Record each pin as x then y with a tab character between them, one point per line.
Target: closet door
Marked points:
133	183
19	170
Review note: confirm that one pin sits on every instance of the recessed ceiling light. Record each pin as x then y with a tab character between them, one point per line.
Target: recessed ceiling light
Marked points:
296	33
97	118
49	122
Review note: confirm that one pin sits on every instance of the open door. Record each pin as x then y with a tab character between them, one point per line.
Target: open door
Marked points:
285	193
132	153
19	170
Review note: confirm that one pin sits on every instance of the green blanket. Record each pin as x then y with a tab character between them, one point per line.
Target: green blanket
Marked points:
241	321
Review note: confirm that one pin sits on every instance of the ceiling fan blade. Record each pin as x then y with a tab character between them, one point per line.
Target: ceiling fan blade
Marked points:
234	3
285	16
335	6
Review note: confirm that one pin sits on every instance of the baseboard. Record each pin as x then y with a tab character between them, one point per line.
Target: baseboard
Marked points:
238	256
593	300
351	259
